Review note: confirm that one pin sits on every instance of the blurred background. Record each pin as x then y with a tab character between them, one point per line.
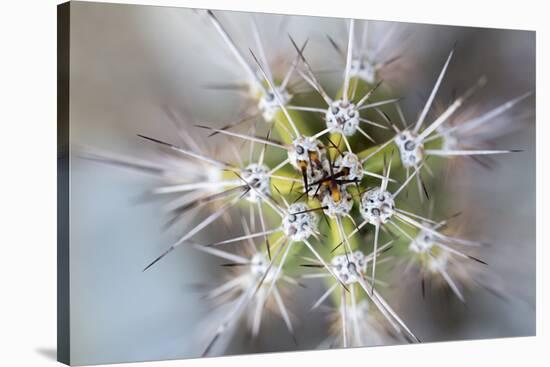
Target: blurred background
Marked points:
127	62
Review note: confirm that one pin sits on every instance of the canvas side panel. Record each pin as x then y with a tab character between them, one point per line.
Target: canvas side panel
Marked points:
63	275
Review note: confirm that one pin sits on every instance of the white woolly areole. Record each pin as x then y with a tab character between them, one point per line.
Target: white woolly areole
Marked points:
316	175
411	151
377	206
302	148
363	69
359	313
259	264
301	226
340	208
438	263
342	117
256	175
449	141
362	308
213	174
422	243
269	105
353	165
347	267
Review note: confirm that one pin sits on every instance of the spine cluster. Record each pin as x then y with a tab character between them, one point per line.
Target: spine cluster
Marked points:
328	199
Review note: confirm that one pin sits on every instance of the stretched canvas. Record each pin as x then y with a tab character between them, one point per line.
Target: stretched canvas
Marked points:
234	183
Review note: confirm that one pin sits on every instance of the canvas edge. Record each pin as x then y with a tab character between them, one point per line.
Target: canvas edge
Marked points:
63	262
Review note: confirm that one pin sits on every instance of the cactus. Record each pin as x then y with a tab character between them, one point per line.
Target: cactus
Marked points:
326	181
